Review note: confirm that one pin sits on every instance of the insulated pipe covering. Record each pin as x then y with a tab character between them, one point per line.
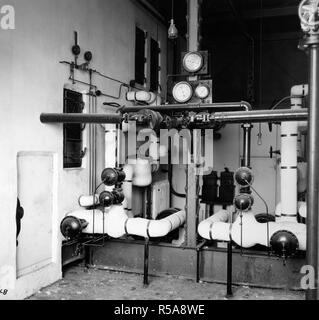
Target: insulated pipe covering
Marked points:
89	201
247	232
128	187
288	172
207	227
117	224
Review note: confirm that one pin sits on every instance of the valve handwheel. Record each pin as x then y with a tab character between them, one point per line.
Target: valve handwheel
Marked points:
309	15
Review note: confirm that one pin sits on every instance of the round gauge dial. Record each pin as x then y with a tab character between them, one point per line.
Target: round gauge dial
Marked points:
202	91
182	92
193	61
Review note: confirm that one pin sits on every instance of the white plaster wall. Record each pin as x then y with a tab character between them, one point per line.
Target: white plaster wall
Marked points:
31	82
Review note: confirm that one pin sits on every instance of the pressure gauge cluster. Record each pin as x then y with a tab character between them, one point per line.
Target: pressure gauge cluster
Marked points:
192	91
195	63
182	92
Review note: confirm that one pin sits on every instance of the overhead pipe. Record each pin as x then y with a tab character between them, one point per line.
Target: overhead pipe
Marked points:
260	116
217	106
80	118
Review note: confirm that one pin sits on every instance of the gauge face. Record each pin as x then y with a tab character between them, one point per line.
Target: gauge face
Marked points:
202	91
182	92
193	61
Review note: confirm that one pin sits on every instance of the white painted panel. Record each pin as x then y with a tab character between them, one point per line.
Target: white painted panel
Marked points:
260	146
265	183
36	194
160	197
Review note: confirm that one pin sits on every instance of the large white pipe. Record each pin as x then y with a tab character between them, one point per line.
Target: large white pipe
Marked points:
289	158
247	232
288	171
128	187
207	227
116	223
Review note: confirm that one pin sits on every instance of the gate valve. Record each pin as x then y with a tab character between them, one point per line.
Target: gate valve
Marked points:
309	16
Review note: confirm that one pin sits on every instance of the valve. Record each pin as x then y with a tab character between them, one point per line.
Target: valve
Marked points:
71	227
309	16
244	177
284	244
110	198
243	202
272	152
112	176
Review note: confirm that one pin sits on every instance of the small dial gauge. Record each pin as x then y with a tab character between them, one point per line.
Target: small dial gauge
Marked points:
182	92
202	91
193	61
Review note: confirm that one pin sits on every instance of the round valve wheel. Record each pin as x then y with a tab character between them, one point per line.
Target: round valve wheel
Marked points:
309	15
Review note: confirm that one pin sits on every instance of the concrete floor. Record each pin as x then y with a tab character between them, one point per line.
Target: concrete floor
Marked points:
91	284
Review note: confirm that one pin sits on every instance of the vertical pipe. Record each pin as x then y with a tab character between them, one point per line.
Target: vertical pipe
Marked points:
247	145
229	269
313	168
246	161
146	255
197	265
288	171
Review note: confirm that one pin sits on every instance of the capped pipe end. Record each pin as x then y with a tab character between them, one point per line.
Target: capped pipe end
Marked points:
244	177
284	243
71	227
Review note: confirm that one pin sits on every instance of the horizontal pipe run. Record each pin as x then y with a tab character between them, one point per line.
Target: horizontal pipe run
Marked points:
260	116
80	118
222	106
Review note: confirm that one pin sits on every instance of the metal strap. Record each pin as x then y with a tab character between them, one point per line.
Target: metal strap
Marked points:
147	229
125	226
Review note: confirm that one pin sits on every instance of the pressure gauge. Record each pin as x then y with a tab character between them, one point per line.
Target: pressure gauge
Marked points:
202	91
182	92
193	62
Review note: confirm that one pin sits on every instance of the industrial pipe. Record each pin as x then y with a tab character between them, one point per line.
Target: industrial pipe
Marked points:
80	118
260	116
220	106
247	232
313	166
288	171
116	223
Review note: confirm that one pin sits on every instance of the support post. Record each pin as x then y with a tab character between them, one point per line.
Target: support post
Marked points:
308	14
146	261
311	44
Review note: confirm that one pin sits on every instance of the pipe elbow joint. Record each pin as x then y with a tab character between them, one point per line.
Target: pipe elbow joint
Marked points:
246	105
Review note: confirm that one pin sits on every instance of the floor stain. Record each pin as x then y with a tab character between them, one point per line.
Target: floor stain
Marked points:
80	283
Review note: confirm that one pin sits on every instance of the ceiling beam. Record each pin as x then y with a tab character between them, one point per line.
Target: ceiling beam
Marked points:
253	14
271	12
151	9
